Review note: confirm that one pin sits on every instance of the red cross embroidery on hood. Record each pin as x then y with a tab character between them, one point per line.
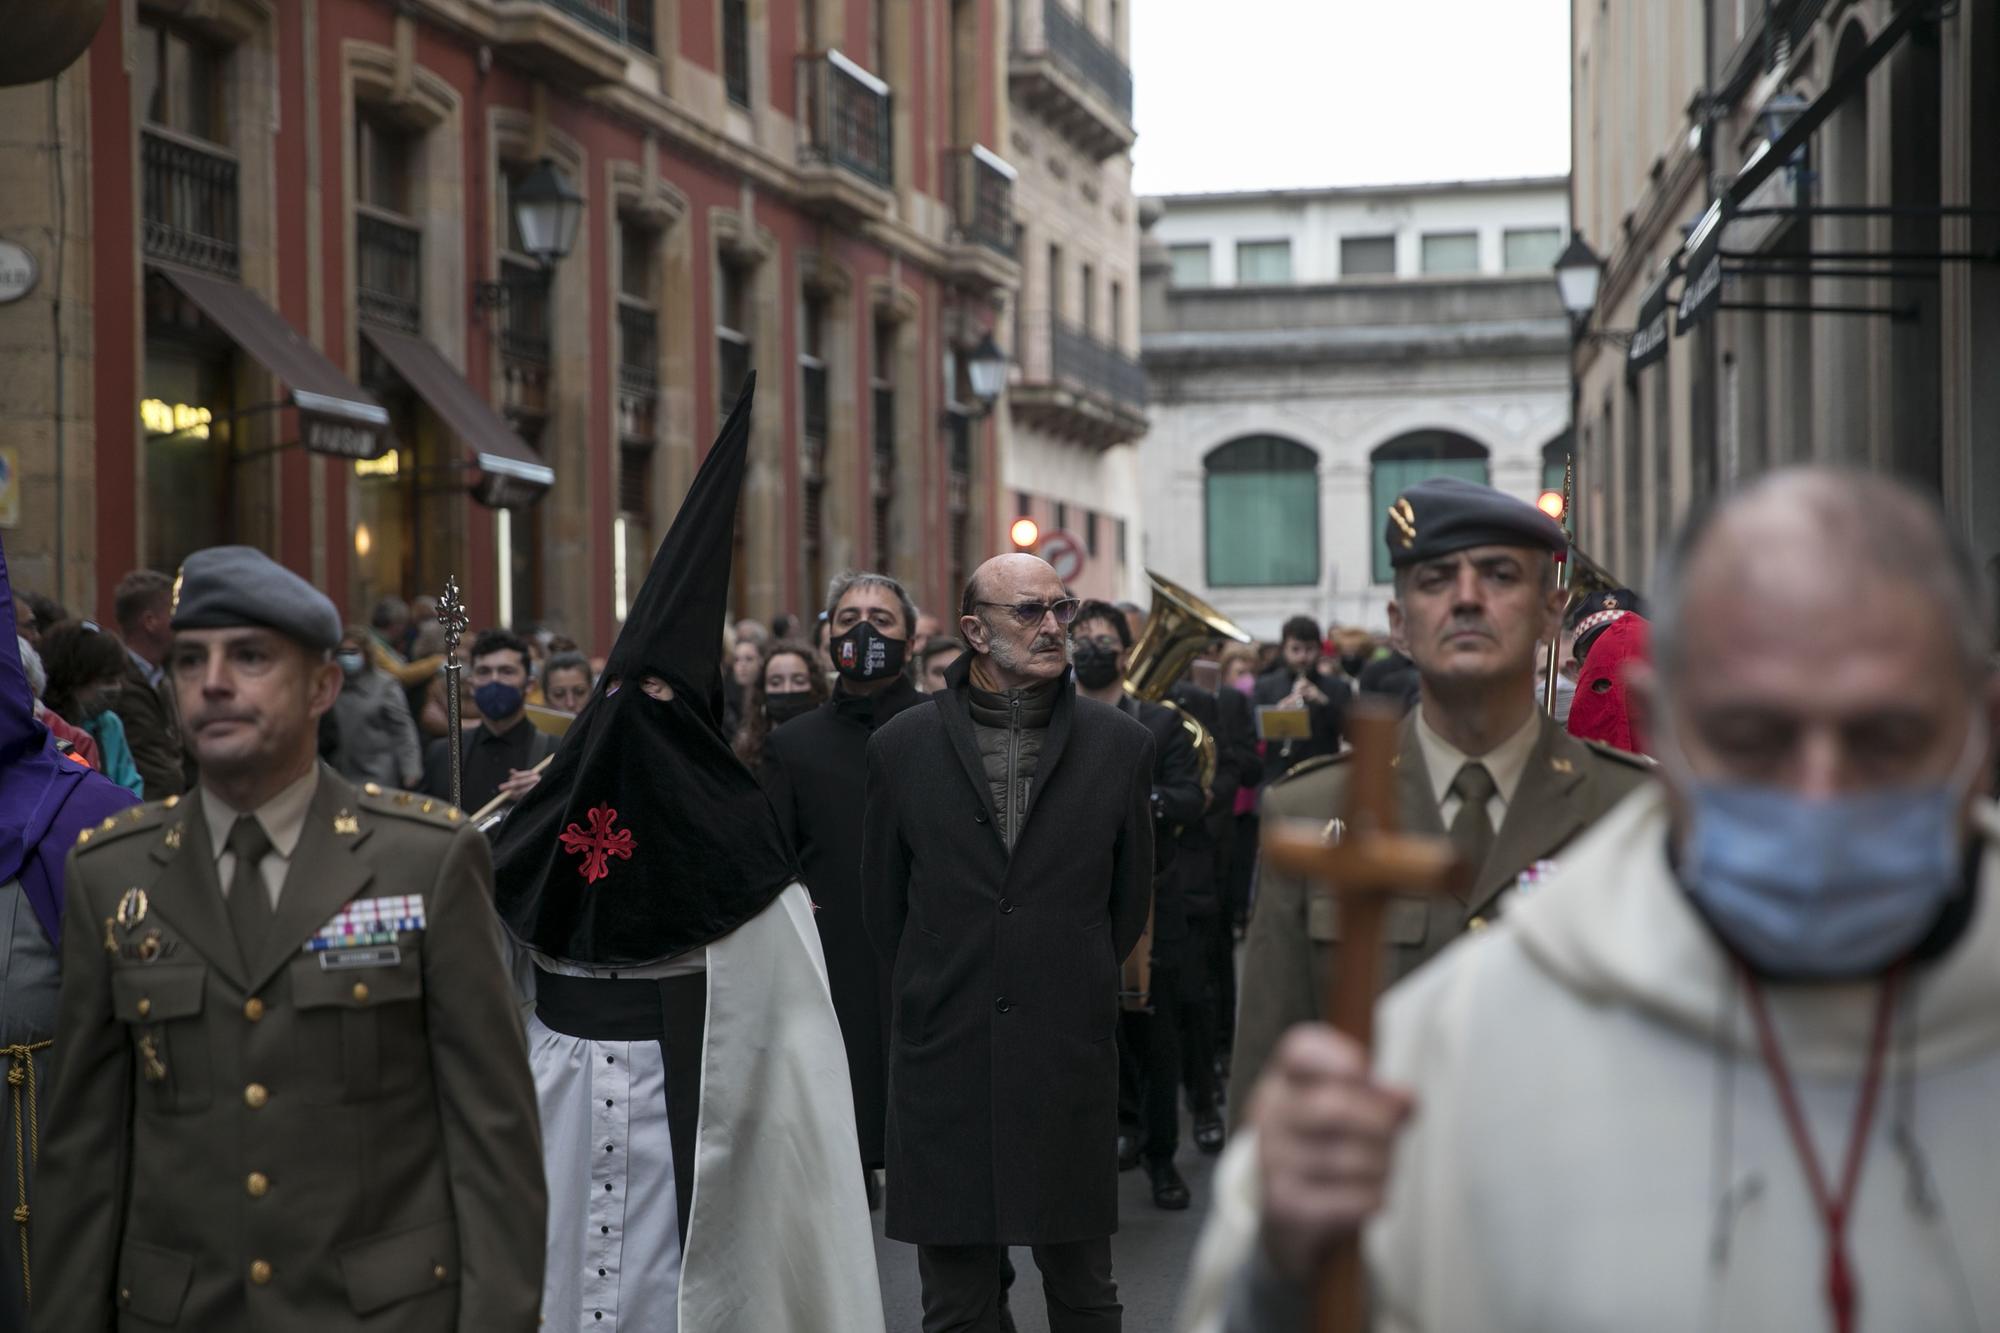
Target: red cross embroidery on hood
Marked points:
599	845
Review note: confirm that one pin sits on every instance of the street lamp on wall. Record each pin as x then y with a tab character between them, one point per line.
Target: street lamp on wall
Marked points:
547	211
986	368
1579	272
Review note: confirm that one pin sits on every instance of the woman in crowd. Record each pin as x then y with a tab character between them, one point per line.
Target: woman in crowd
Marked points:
567	680
787	685
86	665
377	741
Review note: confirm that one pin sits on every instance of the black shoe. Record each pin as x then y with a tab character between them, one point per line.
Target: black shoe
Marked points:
1169	1190
1128	1152
1208	1133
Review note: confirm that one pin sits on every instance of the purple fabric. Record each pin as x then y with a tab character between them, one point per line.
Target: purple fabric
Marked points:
46	798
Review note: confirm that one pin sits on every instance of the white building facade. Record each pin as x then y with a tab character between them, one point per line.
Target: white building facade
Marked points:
1309	354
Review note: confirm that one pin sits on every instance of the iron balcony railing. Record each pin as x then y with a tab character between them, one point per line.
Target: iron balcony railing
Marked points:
638	351
627	21
1079	360
1786	23
983	199
845	112
524	324
188	201
388	282
1072	45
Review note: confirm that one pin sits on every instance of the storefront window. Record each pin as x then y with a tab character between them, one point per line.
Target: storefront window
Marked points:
187	416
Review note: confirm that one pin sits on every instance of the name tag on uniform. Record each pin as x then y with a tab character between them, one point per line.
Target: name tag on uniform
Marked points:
368	922
384	955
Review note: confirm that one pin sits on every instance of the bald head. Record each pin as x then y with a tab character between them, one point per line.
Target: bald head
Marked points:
1822	631
1823	541
1009	574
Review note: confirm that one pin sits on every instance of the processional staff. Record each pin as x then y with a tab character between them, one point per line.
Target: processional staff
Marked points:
1365	866
451	614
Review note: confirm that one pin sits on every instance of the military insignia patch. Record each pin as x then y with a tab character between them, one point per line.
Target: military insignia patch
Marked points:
131	908
345	825
1533	876
1405	518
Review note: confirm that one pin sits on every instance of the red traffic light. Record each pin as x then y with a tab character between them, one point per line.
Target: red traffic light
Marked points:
1551	503
1026	534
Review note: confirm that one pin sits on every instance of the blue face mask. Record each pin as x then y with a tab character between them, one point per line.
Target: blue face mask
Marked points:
1824	890
498	700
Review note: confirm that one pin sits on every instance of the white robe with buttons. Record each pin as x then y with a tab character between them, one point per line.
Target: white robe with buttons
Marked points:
779	1239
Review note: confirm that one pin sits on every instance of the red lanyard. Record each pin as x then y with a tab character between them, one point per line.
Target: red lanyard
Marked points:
1834	1210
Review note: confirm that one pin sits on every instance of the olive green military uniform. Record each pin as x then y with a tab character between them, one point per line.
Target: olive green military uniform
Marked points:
1566	785
310	1138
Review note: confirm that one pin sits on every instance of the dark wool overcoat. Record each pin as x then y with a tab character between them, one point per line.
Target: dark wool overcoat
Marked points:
815	770
1003	1075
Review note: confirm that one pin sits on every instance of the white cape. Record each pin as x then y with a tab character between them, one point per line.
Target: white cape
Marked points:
779	1239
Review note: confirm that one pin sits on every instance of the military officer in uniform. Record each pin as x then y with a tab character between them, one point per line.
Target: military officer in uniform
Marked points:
1476	593
292	1091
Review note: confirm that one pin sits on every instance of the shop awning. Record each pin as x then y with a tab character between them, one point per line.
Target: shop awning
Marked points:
511	474
1701	294
335	415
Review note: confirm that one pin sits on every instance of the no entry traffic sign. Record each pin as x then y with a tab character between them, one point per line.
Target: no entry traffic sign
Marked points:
1063	551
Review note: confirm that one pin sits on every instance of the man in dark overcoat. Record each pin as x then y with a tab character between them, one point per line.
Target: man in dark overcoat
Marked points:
1007	866
814	771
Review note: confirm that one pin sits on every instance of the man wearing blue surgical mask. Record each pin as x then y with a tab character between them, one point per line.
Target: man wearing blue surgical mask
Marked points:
501	753
1735	1065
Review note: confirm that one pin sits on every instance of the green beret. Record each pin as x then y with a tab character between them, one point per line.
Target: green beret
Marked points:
226	587
1444	514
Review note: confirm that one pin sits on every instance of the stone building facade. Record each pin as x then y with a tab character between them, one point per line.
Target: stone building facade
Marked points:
1077	401
1798	205
1310	353
285	300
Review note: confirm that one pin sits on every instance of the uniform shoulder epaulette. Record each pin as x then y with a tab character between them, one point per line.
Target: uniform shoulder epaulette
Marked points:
1312	765
1625	757
126	821
380	800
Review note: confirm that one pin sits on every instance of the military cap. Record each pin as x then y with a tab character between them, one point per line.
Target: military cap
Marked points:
223	587
1444	514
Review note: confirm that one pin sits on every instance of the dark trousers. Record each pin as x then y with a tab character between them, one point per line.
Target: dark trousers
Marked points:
962	1287
1201	1000
1149	1061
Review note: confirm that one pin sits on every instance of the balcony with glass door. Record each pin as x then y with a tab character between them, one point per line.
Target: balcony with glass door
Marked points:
985	238
575	43
188	206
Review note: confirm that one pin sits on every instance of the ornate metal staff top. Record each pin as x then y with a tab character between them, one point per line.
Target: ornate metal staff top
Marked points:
451	614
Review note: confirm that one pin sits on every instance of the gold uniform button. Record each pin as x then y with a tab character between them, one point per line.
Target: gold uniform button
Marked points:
145	1006
255	1096
125	1296
361	992
373	788
260	1272
439	1273
1477	923
253	1009
258	1185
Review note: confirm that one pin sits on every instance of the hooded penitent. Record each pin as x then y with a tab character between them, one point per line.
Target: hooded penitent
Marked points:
46	798
1602	710
647	837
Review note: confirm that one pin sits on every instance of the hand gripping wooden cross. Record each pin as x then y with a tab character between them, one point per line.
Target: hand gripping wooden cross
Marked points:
1364	867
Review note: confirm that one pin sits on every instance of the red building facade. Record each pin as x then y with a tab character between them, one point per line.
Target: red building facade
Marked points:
315	327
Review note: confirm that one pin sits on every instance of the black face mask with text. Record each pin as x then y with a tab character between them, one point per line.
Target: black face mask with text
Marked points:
866	654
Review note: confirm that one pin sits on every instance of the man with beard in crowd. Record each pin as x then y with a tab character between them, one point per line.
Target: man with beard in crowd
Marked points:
1007	863
815	770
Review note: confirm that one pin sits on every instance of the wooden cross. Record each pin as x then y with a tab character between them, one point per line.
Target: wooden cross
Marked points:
1367	864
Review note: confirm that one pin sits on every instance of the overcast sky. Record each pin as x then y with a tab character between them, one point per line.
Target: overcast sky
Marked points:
1263	94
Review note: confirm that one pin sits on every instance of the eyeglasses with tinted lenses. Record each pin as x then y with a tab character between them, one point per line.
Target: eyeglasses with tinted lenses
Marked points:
1031	613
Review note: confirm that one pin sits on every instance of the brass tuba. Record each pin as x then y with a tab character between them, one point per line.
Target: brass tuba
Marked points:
1179	627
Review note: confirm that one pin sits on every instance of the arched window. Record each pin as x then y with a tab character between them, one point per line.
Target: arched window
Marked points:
1263	514
1409	459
